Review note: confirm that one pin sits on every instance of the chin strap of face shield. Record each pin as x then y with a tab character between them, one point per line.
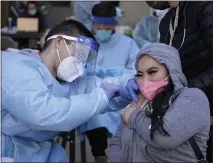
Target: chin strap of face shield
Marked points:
172	30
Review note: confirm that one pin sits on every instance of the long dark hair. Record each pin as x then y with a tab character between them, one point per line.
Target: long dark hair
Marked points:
159	106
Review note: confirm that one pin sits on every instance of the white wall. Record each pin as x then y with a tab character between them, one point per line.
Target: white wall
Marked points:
133	12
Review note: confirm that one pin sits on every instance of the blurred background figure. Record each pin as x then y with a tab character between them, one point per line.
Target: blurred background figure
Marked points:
159	13
83	11
119	10
45	33
116	57
146	31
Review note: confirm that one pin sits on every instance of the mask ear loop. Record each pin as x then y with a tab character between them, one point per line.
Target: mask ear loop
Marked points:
58	51
166	78
58	55
67	47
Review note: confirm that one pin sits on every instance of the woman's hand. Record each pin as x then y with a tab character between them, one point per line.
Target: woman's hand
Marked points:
127	112
134	105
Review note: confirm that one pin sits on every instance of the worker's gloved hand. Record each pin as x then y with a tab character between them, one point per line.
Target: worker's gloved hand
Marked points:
100	72
108	72
114	72
111	90
130	90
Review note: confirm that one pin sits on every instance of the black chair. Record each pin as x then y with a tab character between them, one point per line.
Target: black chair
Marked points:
83	150
68	138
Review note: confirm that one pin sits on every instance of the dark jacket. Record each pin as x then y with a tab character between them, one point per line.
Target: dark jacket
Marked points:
196	52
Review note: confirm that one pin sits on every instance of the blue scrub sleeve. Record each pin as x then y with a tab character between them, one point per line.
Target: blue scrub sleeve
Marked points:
30	101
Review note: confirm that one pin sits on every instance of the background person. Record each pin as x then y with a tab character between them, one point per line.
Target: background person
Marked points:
116	57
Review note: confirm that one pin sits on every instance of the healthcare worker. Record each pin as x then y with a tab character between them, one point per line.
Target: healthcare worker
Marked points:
36	107
116	57
146	31
83	11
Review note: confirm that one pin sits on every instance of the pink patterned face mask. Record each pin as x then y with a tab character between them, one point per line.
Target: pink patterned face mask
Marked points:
150	89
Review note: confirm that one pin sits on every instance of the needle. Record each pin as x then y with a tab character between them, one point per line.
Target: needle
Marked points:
108	81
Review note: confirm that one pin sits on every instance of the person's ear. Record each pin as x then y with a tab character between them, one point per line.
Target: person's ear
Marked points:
57	42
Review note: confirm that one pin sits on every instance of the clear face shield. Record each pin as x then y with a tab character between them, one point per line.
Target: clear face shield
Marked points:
86	52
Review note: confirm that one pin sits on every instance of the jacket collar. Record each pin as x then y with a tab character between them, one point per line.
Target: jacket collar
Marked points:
182	5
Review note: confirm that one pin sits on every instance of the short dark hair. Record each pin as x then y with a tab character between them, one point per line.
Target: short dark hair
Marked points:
115	3
69	28
104	9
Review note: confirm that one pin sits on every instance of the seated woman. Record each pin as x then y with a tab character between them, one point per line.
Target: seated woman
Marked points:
158	127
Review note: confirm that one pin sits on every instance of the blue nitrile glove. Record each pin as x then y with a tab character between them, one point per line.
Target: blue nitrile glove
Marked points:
90	70
108	72
114	72
130	90
111	90
100	72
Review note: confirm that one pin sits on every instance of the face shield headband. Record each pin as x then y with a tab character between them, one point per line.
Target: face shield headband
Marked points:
102	20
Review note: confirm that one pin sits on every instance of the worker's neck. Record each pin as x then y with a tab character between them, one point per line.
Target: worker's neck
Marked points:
48	60
173	4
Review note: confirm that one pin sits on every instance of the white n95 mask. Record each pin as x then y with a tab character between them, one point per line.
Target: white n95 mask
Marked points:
85	55
70	68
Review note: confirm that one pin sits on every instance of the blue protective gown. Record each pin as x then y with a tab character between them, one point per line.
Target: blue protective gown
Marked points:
146	31
35	108
119	53
83	11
